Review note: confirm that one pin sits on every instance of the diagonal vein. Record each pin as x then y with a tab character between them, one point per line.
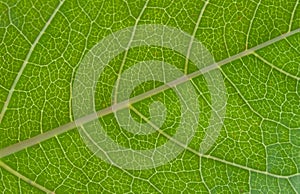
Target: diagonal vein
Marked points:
125	104
251	23
22	177
27	59
193	36
275	67
204	155
128	46
293	15
124	170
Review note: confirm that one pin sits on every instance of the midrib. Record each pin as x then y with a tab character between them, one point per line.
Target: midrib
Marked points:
125	104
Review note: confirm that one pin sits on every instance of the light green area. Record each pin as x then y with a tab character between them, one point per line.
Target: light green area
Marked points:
258	149
267	184
295	182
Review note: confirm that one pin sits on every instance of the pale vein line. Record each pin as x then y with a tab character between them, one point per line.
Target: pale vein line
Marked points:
249	183
293	47
26	61
201	175
67	127
158	129
112	162
251	23
293	15
204	155
127	49
246	168
275	67
292	185
250	107
22	177
193	36
246	52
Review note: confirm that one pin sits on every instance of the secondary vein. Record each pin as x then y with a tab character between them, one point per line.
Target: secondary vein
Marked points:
181	144
10	93
193	36
22	177
128	46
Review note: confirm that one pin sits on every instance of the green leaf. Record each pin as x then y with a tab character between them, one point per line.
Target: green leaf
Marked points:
46	147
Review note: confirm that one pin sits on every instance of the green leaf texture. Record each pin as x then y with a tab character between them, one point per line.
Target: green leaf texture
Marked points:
256	46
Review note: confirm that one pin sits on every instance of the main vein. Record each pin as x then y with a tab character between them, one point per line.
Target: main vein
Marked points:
125	104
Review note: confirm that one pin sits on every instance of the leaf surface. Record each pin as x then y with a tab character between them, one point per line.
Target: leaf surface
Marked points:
256	48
